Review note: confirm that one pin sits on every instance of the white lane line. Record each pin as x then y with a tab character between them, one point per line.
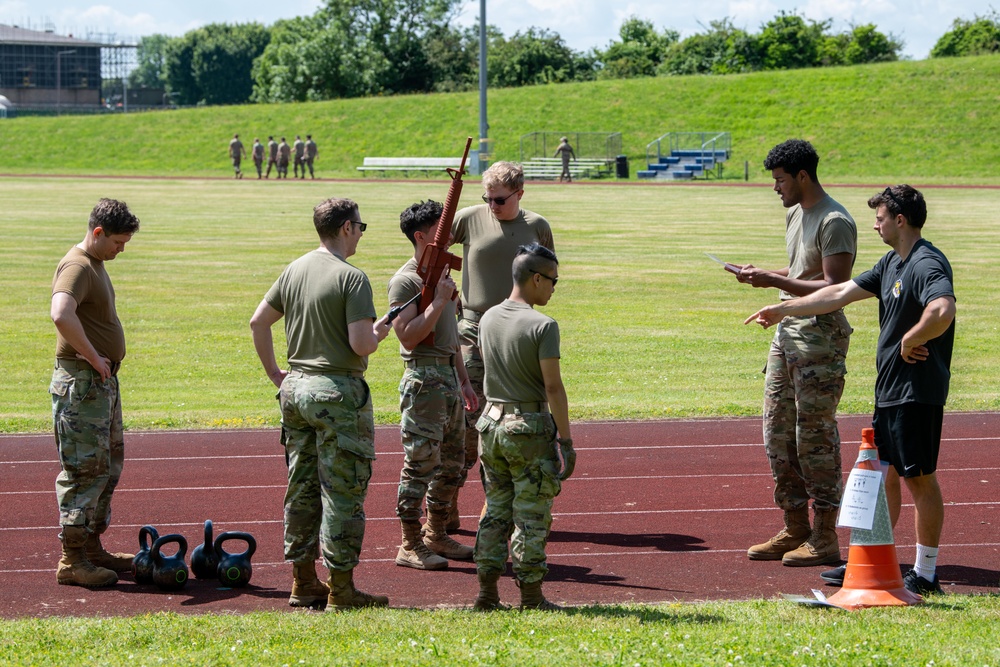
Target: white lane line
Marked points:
556	515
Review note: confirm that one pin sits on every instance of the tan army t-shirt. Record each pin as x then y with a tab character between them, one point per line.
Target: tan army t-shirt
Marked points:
87	281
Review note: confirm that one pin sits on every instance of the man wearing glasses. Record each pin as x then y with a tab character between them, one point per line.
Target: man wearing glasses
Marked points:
914	286
490	234
327	424
526	411
806	364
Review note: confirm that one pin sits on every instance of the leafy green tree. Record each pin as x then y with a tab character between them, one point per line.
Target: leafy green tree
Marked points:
724	49
151	55
788	42
640	51
213	64
536	56
969	38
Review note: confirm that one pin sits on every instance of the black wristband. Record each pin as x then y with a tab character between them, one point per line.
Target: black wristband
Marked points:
565	442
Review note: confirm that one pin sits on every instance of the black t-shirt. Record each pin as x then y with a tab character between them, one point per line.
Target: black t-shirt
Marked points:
904	288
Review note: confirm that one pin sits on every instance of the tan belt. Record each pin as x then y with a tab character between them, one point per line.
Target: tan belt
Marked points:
471	315
81	365
430	361
498	410
337	373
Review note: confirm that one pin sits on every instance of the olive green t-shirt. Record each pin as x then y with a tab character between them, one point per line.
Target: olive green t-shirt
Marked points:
320	294
403	286
514	338
86	280
488	247
814	233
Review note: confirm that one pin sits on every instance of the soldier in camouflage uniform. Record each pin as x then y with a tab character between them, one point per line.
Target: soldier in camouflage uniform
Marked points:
806	364
490	234
299	149
86	399
526	408
327	422
257	153
284	154
272	155
434	395
237	153
311	152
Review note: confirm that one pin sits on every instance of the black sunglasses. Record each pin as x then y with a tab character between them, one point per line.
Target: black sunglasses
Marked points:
499	201
888	191
554	280
363	225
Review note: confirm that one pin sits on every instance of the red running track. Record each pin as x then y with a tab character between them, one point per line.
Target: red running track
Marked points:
656	511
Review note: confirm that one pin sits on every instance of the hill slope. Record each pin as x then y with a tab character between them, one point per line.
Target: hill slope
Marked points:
932	121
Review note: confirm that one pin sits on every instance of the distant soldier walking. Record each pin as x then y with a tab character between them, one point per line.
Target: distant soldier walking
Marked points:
300	151
86	399
524	427
257	153
311	152
272	155
237	153
565	151
284	154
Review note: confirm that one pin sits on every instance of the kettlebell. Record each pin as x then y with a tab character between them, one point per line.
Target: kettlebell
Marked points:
142	566
170	573
204	564
234	570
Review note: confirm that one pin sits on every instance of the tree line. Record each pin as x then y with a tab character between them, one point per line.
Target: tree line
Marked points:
355	48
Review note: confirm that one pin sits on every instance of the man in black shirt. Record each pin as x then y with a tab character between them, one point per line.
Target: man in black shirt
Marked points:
914	286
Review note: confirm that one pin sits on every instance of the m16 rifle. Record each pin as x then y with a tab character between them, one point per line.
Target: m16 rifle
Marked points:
435	255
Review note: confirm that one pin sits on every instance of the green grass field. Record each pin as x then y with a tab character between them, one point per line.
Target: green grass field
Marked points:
651	328
954	630
931	121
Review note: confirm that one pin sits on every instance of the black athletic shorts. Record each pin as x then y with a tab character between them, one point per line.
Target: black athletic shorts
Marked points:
908	437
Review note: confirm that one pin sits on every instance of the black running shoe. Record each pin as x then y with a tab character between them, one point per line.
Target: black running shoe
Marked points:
917	584
834	576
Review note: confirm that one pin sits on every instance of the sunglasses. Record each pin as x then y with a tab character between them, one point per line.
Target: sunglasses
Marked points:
554	280
363	225
888	191
499	201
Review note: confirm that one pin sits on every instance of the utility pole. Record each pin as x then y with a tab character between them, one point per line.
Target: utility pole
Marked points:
484	127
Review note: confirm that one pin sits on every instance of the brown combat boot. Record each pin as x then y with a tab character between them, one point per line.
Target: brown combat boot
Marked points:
96	554
489	596
532	598
74	569
822	547
436	537
343	594
791	537
414	553
307	589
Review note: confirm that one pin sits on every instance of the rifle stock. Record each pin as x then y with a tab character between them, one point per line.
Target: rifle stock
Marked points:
435	255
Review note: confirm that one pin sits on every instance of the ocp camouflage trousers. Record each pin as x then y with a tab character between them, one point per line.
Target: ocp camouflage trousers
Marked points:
468	333
804	381
327	427
520	469
432	432
87	419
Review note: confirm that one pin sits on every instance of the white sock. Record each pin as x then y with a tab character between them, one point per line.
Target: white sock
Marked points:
926	562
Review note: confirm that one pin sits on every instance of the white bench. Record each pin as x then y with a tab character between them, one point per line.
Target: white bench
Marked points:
407	164
551	168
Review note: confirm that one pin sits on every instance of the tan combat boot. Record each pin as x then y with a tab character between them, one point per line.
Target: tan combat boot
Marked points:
414	553
791	537
436	537
96	554
307	589
822	547
343	594
489	596
532	598
74	569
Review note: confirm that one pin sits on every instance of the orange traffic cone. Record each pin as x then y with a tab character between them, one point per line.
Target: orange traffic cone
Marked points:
872	578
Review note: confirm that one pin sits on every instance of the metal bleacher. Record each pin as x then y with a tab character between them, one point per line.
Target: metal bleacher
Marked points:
685	156
595	154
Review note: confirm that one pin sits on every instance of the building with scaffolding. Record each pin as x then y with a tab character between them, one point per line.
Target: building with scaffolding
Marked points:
45	71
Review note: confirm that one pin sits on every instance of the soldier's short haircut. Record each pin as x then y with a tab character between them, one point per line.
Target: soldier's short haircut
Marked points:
113	217
508	174
330	215
902	200
419	218
531	259
793	156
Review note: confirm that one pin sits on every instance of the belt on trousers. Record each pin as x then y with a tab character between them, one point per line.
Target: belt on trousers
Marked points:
430	361
471	315
498	410
338	373
81	365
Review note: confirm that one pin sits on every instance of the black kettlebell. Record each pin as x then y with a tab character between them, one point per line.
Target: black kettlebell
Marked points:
170	573
204	564
234	570
142	566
